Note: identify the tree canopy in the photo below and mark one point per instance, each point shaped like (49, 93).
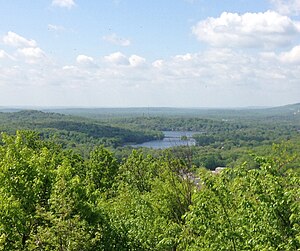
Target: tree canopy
(55, 199)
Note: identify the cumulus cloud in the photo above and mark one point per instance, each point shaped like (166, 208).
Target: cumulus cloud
(63, 3)
(264, 30)
(32, 55)
(292, 56)
(15, 40)
(215, 77)
(115, 39)
(287, 7)
(185, 57)
(158, 63)
(85, 61)
(136, 60)
(218, 69)
(117, 58)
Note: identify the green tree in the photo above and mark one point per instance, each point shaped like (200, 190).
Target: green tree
(247, 209)
(153, 195)
(102, 169)
(26, 176)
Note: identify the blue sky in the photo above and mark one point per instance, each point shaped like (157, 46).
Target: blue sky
(175, 53)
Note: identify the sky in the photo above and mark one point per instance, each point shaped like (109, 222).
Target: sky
(158, 53)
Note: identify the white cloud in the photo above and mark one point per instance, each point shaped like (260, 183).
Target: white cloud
(266, 30)
(287, 7)
(56, 28)
(117, 58)
(5, 55)
(136, 60)
(15, 40)
(185, 57)
(32, 55)
(292, 56)
(114, 39)
(63, 3)
(86, 61)
(218, 75)
(69, 67)
(215, 77)
(158, 63)
(83, 59)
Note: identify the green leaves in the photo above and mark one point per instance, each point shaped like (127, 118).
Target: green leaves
(53, 199)
(102, 169)
(44, 201)
(246, 209)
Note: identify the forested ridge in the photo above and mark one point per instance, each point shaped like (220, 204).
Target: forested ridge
(63, 187)
(72, 130)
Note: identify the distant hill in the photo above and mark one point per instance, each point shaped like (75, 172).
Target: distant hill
(69, 127)
(286, 108)
(105, 114)
(223, 113)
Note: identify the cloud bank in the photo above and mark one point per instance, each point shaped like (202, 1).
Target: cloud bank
(259, 30)
(249, 59)
(287, 7)
(15, 40)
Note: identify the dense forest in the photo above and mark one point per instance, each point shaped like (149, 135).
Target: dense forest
(72, 130)
(73, 183)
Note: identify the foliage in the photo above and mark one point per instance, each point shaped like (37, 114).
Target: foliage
(56, 199)
(74, 132)
(246, 209)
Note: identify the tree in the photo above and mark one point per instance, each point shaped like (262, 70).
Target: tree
(102, 169)
(26, 175)
(246, 209)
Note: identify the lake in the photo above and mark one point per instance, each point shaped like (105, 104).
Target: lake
(171, 139)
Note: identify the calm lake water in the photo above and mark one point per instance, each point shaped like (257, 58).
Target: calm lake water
(171, 139)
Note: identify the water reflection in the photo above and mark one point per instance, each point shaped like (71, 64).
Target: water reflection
(171, 139)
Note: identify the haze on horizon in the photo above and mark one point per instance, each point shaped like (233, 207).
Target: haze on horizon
(132, 53)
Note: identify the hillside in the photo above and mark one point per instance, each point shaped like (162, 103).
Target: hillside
(285, 112)
(72, 128)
